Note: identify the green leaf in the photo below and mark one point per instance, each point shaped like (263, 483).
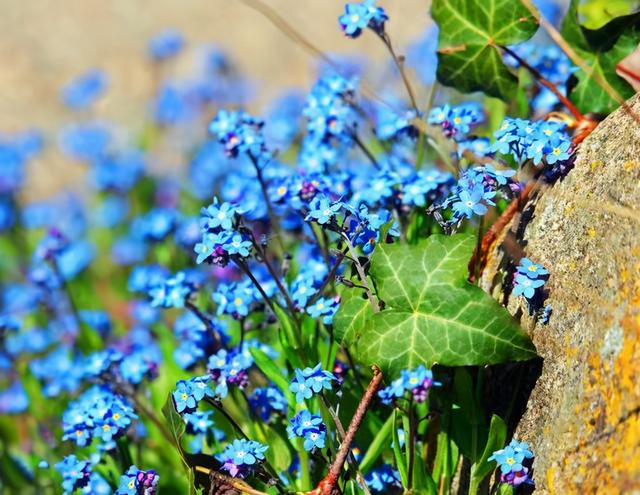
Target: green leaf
(273, 373)
(177, 429)
(401, 464)
(497, 437)
(602, 49)
(379, 444)
(432, 313)
(470, 33)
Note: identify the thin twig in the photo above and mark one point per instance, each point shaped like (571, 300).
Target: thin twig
(328, 484)
(297, 37)
(235, 483)
(363, 276)
(205, 320)
(341, 434)
(578, 60)
(243, 266)
(365, 150)
(546, 83)
(273, 219)
(400, 65)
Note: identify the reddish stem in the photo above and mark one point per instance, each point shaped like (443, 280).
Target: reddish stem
(328, 484)
(547, 84)
(627, 72)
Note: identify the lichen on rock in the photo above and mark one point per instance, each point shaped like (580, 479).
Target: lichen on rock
(583, 416)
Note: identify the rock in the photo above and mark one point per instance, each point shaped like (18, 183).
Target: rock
(583, 416)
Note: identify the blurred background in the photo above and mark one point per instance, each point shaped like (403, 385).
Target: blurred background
(46, 43)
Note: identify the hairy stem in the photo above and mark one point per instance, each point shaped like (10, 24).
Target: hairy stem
(363, 276)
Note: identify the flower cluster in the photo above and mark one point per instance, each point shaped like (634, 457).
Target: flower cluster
(359, 16)
(384, 480)
(239, 458)
(310, 381)
(220, 237)
(552, 63)
(230, 368)
(310, 428)
(528, 279)
(138, 482)
(240, 132)
(188, 393)
(532, 140)
(200, 425)
(171, 292)
(99, 414)
(417, 381)
(268, 402)
(457, 121)
(511, 463)
(476, 191)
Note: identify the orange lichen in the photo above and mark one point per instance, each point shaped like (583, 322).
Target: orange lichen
(606, 457)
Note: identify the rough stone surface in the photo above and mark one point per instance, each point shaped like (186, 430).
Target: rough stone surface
(583, 416)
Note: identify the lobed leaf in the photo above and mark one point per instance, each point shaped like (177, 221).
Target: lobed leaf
(602, 49)
(470, 33)
(432, 313)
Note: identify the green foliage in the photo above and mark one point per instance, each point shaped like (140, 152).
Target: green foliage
(602, 49)
(596, 13)
(482, 468)
(470, 33)
(432, 313)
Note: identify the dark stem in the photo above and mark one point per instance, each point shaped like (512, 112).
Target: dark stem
(205, 320)
(245, 269)
(272, 216)
(400, 65)
(365, 150)
(276, 279)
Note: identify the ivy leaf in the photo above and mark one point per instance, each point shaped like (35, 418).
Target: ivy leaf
(602, 49)
(432, 313)
(470, 33)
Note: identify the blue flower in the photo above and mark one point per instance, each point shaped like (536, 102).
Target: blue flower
(531, 269)
(85, 89)
(525, 286)
(136, 481)
(165, 44)
(470, 202)
(217, 216)
(309, 427)
(172, 292)
(354, 20)
(511, 457)
(322, 210)
(239, 245)
(559, 151)
(325, 307)
(183, 397)
(75, 473)
(384, 480)
(309, 381)
(239, 457)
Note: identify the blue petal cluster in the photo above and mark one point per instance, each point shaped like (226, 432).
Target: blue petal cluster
(310, 428)
(239, 458)
(511, 460)
(417, 381)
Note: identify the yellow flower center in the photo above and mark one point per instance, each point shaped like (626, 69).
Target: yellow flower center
(511, 461)
(237, 301)
(556, 151)
(184, 396)
(116, 416)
